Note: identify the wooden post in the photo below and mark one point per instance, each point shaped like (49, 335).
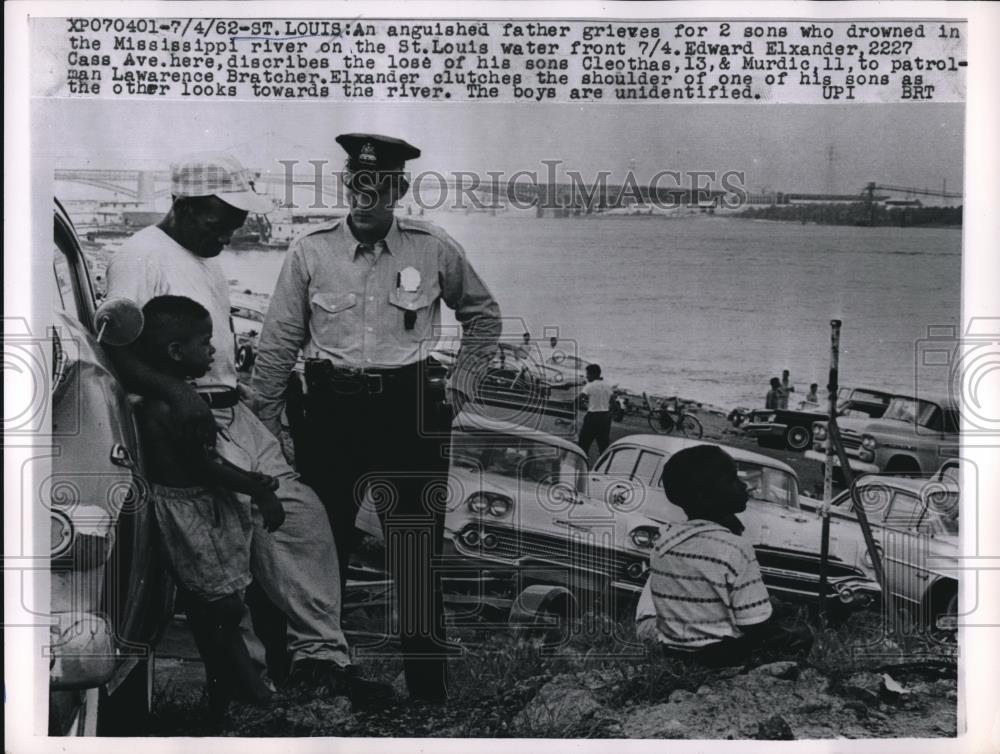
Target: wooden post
(824, 511)
(834, 444)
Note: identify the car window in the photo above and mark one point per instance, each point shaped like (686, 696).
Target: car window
(64, 284)
(950, 421)
(622, 461)
(904, 511)
(769, 485)
(521, 458)
(905, 409)
(940, 515)
(648, 463)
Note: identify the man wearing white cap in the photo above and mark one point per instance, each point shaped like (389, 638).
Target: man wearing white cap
(296, 566)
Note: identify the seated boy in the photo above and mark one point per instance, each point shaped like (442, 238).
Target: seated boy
(704, 597)
(204, 528)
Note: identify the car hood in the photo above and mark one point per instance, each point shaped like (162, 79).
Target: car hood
(542, 508)
(862, 425)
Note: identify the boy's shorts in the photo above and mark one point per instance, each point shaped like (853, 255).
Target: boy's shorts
(206, 533)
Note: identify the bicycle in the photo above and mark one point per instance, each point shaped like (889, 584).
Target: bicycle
(664, 418)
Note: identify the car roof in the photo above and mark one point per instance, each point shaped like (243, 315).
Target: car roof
(915, 486)
(941, 399)
(470, 422)
(671, 445)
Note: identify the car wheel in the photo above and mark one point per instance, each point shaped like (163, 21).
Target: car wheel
(544, 612)
(946, 608)
(798, 437)
(245, 358)
(903, 466)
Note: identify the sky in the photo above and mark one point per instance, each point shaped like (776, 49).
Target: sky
(782, 147)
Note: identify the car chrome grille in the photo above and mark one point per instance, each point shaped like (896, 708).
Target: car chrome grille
(850, 439)
(582, 549)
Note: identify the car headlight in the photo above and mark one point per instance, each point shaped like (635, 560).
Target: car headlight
(479, 503)
(500, 506)
(636, 570)
(485, 502)
(868, 442)
(644, 537)
(819, 432)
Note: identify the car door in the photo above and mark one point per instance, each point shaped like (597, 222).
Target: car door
(906, 547)
(612, 474)
(97, 475)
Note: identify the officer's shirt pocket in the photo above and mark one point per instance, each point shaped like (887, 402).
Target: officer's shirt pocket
(419, 303)
(334, 320)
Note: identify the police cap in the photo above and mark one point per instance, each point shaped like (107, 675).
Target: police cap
(376, 153)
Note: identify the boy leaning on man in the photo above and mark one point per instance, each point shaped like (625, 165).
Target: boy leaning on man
(203, 504)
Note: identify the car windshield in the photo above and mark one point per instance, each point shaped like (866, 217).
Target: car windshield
(910, 410)
(768, 484)
(526, 459)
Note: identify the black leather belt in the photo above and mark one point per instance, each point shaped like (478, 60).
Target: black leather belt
(323, 375)
(221, 398)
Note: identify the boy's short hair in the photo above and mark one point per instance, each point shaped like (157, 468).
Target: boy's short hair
(593, 370)
(686, 473)
(166, 320)
(775, 382)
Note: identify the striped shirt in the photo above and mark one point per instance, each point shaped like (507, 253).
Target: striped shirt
(704, 584)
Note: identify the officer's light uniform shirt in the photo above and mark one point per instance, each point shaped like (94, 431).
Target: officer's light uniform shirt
(368, 308)
(598, 395)
(151, 264)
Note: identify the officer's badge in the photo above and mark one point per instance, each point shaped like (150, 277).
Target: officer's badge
(367, 155)
(409, 279)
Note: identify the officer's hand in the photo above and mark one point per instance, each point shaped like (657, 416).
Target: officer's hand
(271, 509)
(194, 418)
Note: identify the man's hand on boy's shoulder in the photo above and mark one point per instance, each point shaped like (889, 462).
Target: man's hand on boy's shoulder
(190, 414)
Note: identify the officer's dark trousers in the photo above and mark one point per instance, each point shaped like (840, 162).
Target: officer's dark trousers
(387, 437)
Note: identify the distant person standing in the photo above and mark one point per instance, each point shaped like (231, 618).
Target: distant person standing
(773, 398)
(812, 396)
(786, 389)
(597, 420)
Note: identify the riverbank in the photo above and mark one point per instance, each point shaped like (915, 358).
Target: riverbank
(852, 683)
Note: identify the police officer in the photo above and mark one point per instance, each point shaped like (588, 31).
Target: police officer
(361, 298)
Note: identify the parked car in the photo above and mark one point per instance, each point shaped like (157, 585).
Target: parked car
(913, 436)
(111, 596)
(915, 525)
(247, 316)
(519, 524)
(525, 513)
(785, 536)
(792, 428)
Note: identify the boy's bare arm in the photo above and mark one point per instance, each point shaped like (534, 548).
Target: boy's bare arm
(259, 487)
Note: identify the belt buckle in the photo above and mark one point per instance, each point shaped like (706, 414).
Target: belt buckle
(373, 383)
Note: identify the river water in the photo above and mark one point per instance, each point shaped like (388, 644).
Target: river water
(708, 308)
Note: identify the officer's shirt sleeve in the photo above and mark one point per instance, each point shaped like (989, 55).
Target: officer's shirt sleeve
(285, 330)
(475, 308)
